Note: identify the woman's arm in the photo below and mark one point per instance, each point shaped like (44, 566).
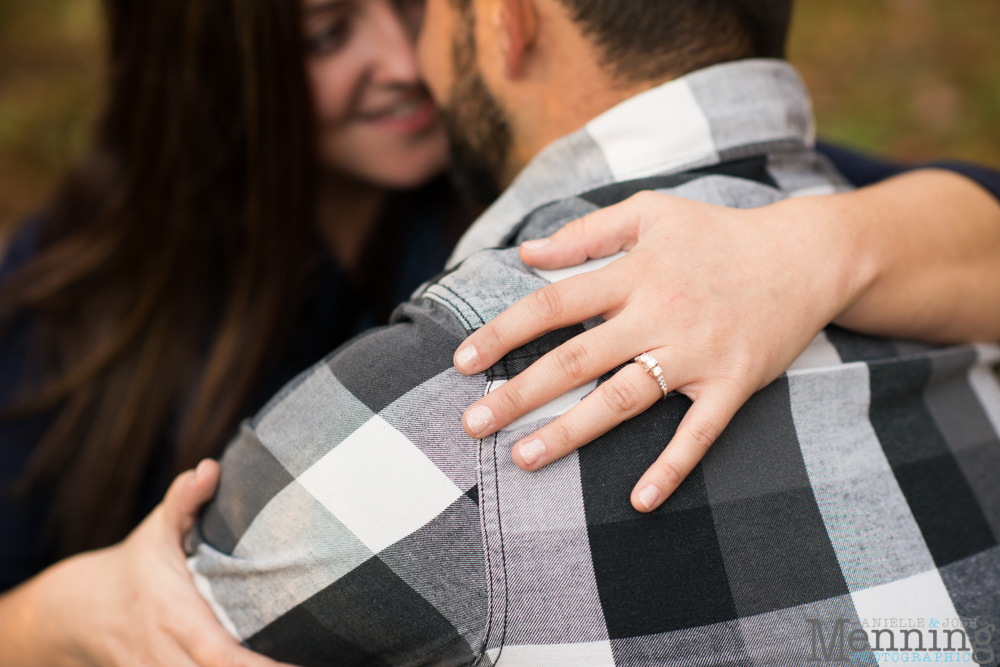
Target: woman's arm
(933, 239)
(727, 299)
(131, 604)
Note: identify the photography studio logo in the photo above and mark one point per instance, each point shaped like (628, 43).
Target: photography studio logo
(880, 641)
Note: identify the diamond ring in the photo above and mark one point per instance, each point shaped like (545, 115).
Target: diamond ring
(653, 368)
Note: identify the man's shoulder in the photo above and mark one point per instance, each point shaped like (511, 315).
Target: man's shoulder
(378, 366)
(388, 380)
(344, 489)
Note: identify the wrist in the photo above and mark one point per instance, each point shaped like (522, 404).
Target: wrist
(844, 255)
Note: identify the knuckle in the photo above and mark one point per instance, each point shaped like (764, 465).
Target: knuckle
(168, 619)
(621, 397)
(511, 399)
(574, 229)
(547, 303)
(573, 360)
(646, 208)
(645, 203)
(672, 473)
(700, 436)
(490, 337)
(563, 433)
(740, 372)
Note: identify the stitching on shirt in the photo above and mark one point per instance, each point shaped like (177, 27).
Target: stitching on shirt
(486, 549)
(482, 321)
(496, 482)
(468, 325)
(503, 551)
(451, 306)
(490, 605)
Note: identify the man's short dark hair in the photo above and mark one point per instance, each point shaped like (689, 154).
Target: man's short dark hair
(644, 40)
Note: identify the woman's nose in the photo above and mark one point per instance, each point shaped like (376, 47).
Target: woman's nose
(394, 56)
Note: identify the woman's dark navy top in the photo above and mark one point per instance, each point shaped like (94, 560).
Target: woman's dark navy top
(423, 247)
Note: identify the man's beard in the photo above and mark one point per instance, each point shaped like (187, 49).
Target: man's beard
(478, 128)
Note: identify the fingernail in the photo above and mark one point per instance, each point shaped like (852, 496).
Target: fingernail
(467, 358)
(197, 472)
(649, 497)
(536, 244)
(479, 419)
(531, 451)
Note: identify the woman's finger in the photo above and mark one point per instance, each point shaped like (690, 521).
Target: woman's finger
(701, 426)
(580, 360)
(598, 234)
(630, 392)
(228, 653)
(187, 494)
(554, 306)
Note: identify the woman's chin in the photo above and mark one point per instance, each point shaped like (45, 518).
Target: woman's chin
(402, 172)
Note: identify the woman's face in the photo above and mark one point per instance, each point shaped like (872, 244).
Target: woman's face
(376, 120)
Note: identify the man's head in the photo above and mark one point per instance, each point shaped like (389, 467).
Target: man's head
(514, 75)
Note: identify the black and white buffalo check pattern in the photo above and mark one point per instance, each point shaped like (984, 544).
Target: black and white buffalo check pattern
(357, 524)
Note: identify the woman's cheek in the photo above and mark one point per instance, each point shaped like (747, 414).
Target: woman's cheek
(331, 99)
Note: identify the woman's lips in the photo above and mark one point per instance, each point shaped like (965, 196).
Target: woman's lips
(410, 117)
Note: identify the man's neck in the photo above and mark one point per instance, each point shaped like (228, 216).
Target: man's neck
(561, 110)
(558, 94)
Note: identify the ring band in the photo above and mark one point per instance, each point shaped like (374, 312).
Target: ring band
(652, 367)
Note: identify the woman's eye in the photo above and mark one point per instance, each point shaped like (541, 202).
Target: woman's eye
(328, 40)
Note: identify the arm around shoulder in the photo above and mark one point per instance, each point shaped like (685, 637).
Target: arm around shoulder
(923, 250)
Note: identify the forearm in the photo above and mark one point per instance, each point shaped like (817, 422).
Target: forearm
(924, 249)
(130, 604)
(28, 627)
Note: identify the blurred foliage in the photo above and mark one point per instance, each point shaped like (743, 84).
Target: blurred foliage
(50, 81)
(910, 79)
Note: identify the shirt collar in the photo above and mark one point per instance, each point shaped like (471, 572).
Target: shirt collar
(724, 112)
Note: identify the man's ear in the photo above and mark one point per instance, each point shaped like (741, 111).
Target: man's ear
(516, 24)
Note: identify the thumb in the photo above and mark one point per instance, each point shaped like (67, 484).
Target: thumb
(188, 493)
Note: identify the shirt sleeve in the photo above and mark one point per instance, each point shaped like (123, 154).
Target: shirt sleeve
(862, 170)
(346, 528)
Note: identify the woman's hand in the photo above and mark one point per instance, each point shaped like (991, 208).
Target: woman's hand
(131, 604)
(724, 299)
(727, 299)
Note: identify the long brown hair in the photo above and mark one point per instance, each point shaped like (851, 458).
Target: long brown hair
(169, 262)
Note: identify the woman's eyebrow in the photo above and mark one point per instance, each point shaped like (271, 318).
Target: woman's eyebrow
(324, 6)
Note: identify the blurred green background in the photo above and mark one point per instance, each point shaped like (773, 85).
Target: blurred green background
(51, 58)
(908, 79)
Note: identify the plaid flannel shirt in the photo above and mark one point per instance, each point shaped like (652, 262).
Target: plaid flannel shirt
(357, 524)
